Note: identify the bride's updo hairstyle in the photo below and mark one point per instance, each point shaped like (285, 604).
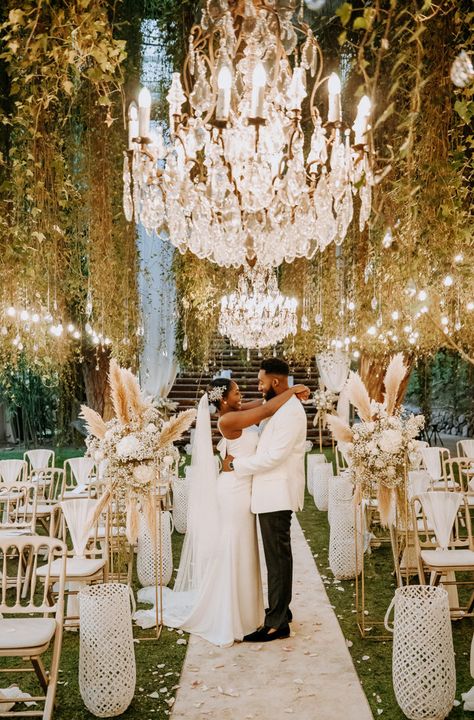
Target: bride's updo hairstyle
(217, 390)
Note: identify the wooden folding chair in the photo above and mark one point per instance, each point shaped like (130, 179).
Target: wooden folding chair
(444, 544)
(28, 626)
(18, 502)
(87, 561)
(50, 484)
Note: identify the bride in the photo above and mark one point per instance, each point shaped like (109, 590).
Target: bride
(218, 591)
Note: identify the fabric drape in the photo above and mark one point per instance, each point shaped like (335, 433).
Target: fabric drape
(157, 291)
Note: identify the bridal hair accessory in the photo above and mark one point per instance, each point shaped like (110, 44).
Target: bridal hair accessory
(216, 393)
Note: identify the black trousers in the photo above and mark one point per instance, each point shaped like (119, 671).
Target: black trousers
(275, 528)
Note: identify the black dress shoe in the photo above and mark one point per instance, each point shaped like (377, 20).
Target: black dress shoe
(264, 635)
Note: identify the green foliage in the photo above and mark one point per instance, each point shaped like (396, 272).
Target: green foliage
(31, 400)
(63, 238)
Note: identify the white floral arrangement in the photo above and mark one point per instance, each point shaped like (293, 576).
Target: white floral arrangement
(136, 446)
(381, 446)
(324, 400)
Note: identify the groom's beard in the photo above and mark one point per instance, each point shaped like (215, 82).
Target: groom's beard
(270, 394)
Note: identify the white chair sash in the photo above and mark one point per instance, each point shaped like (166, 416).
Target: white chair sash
(441, 509)
(432, 459)
(468, 447)
(418, 482)
(81, 515)
(81, 469)
(39, 458)
(10, 470)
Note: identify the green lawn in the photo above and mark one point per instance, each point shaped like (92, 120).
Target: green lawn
(159, 663)
(375, 671)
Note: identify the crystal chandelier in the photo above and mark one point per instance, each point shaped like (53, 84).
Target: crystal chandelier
(257, 315)
(235, 182)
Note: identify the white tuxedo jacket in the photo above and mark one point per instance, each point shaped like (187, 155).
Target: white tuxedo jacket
(278, 464)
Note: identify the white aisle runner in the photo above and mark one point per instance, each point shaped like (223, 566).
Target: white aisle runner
(309, 676)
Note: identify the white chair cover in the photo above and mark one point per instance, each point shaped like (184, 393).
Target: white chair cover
(441, 509)
(333, 368)
(81, 469)
(10, 470)
(418, 482)
(81, 515)
(468, 447)
(432, 459)
(39, 459)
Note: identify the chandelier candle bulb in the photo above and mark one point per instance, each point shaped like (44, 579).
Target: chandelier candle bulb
(224, 84)
(259, 79)
(132, 125)
(334, 89)
(144, 108)
(361, 122)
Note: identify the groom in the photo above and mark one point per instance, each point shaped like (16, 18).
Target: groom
(277, 490)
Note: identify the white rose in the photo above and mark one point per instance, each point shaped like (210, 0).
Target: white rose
(128, 446)
(144, 474)
(151, 428)
(390, 441)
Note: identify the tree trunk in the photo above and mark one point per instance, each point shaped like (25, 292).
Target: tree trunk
(372, 372)
(95, 368)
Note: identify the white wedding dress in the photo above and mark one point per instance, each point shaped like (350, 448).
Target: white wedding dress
(229, 601)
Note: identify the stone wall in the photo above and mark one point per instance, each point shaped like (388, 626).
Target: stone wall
(450, 423)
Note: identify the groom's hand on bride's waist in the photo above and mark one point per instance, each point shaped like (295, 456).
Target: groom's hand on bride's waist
(226, 463)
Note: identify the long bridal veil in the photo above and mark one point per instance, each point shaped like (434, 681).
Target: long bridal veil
(203, 518)
(201, 534)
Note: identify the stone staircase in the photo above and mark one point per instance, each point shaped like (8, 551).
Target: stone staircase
(189, 386)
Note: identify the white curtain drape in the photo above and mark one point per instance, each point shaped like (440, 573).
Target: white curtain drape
(157, 290)
(333, 368)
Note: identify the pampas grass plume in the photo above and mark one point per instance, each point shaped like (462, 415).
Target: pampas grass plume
(118, 393)
(95, 424)
(176, 427)
(396, 371)
(359, 396)
(340, 429)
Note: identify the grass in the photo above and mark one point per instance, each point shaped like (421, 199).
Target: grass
(375, 673)
(159, 663)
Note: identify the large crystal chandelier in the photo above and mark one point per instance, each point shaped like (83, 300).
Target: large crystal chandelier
(235, 182)
(257, 315)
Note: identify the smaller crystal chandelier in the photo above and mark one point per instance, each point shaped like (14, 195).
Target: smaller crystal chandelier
(257, 315)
